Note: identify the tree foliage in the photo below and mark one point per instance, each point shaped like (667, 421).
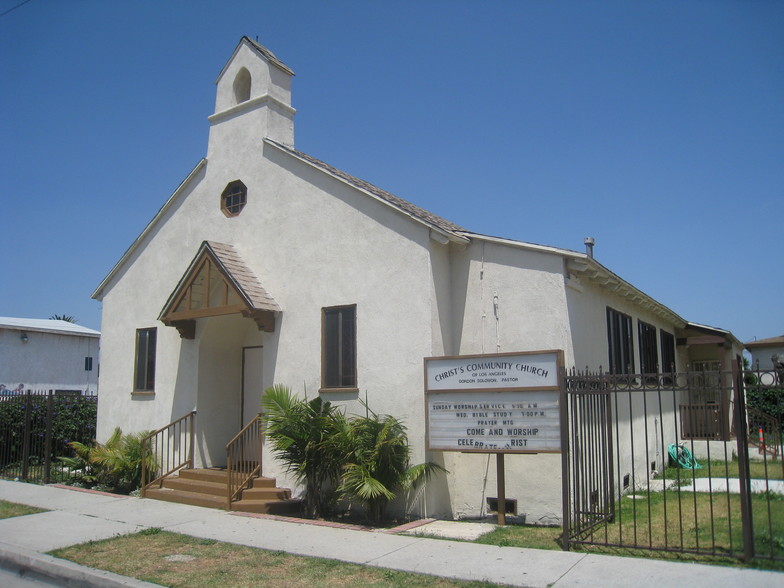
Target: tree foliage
(116, 464)
(766, 399)
(365, 458)
(378, 464)
(73, 418)
(69, 318)
(306, 437)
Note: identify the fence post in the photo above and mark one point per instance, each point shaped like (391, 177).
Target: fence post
(743, 462)
(26, 437)
(566, 498)
(48, 438)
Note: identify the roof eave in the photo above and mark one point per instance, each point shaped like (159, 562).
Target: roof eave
(523, 245)
(453, 237)
(586, 266)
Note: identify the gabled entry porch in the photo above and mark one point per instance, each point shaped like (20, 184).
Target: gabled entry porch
(225, 318)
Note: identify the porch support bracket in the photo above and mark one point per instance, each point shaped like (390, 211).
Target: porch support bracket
(186, 328)
(265, 319)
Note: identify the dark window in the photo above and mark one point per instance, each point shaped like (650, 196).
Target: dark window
(649, 354)
(234, 198)
(667, 351)
(88, 364)
(339, 348)
(144, 373)
(620, 342)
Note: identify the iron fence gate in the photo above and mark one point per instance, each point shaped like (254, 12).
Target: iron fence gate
(673, 462)
(35, 429)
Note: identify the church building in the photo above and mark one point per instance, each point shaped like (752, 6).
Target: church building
(269, 266)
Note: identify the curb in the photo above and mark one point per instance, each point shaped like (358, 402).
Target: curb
(39, 566)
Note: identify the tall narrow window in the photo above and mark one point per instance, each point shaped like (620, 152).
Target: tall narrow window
(620, 342)
(649, 354)
(144, 372)
(667, 351)
(88, 364)
(339, 347)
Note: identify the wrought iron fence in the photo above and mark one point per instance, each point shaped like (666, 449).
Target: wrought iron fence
(661, 462)
(36, 428)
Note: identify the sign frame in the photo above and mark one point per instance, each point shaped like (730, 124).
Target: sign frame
(507, 390)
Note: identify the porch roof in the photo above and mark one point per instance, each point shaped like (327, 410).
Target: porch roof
(246, 281)
(251, 298)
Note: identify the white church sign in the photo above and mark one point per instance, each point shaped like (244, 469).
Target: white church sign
(494, 403)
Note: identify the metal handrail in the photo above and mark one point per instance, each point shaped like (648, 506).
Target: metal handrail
(243, 459)
(171, 448)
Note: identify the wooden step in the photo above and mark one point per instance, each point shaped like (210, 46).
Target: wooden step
(205, 474)
(185, 497)
(290, 506)
(261, 482)
(266, 493)
(196, 485)
(207, 487)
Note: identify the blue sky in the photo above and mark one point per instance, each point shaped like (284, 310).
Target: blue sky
(655, 127)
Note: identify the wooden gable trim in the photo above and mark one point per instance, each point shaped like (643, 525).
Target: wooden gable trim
(192, 300)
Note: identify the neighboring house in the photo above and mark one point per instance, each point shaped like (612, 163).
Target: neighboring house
(42, 354)
(767, 354)
(267, 266)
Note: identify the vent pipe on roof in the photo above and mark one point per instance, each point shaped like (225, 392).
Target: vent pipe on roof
(589, 243)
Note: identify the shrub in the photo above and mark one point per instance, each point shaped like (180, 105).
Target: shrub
(116, 464)
(73, 419)
(306, 437)
(367, 458)
(377, 466)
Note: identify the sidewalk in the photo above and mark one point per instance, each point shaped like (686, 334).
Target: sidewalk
(77, 516)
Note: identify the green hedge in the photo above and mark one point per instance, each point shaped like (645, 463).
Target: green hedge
(73, 418)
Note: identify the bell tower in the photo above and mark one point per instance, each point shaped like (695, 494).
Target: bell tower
(253, 101)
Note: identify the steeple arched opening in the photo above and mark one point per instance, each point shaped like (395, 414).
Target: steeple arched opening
(242, 85)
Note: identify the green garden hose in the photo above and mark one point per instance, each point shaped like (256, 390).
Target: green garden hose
(681, 455)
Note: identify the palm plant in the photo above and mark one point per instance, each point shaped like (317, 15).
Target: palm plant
(307, 437)
(378, 467)
(121, 457)
(116, 463)
(80, 466)
(69, 318)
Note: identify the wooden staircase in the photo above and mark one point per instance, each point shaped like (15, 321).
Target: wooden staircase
(207, 487)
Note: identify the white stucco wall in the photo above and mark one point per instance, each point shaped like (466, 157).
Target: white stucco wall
(763, 356)
(48, 361)
(504, 299)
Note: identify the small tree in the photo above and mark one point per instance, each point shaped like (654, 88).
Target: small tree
(69, 318)
(768, 400)
(306, 436)
(377, 467)
(116, 463)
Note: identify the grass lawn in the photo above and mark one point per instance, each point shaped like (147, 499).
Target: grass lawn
(172, 559)
(685, 522)
(11, 509)
(772, 470)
